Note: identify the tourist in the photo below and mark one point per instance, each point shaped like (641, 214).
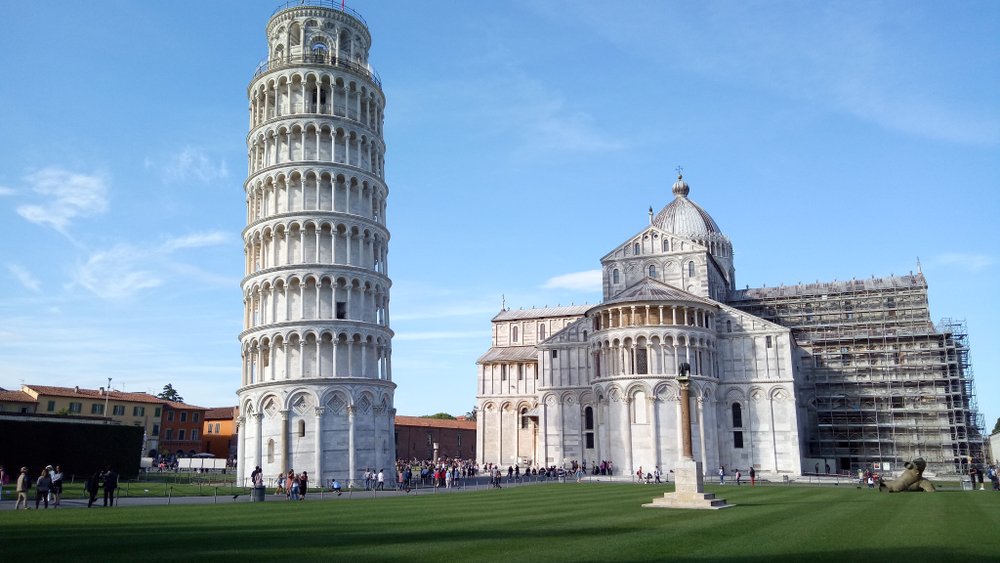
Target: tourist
(994, 477)
(57, 486)
(738, 477)
(42, 487)
(91, 486)
(289, 479)
(722, 475)
(336, 487)
(23, 485)
(638, 474)
(303, 484)
(657, 473)
(753, 477)
(399, 479)
(279, 484)
(3, 480)
(296, 486)
(110, 484)
(381, 480)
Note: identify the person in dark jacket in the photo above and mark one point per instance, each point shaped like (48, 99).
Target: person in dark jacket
(91, 486)
(110, 484)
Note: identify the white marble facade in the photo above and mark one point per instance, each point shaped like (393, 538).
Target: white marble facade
(316, 393)
(593, 383)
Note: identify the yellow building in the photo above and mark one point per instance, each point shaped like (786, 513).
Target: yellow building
(135, 409)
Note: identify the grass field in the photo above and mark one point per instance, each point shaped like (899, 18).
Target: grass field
(550, 522)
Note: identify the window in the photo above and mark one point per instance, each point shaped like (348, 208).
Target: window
(738, 439)
(588, 418)
(118, 410)
(614, 276)
(194, 416)
(302, 428)
(194, 434)
(555, 354)
(138, 411)
(458, 436)
(767, 341)
(180, 434)
(513, 334)
(652, 271)
(51, 406)
(641, 361)
(75, 407)
(666, 245)
(690, 269)
(541, 332)
(590, 440)
(341, 309)
(184, 417)
(208, 429)
(524, 418)
(520, 372)
(170, 415)
(729, 326)
(503, 372)
(170, 434)
(430, 440)
(156, 413)
(156, 430)
(635, 249)
(97, 408)
(737, 416)
(218, 425)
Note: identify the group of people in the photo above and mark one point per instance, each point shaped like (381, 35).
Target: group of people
(738, 475)
(48, 487)
(976, 474)
(291, 484)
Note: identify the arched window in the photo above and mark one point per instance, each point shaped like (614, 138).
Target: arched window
(588, 418)
(635, 249)
(690, 269)
(652, 271)
(302, 428)
(737, 416)
(666, 244)
(729, 326)
(513, 334)
(319, 53)
(541, 332)
(614, 276)
(524, 418)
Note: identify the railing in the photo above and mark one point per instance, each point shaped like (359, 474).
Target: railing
(331, 4)
(317, 59)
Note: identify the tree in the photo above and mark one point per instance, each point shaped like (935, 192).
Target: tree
(170, 394)
(471, 415)
(440, 416)
(996, 427)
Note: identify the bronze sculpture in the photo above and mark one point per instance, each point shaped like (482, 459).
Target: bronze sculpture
(912, 479)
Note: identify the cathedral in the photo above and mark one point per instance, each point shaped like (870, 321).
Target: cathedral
(817, 378)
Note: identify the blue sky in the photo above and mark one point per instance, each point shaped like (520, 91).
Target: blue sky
(829, 140)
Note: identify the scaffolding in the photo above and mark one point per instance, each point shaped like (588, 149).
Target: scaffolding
(881, 384)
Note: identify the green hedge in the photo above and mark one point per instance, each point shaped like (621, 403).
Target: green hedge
(80, 449)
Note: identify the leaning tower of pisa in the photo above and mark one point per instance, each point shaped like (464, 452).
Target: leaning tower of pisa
(316, 393)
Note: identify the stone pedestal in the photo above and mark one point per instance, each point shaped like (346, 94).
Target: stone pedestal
(689, 490)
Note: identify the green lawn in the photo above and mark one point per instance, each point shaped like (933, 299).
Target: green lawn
(551, 522)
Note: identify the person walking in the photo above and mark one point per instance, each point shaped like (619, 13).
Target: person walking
(753, 477)
(303, 484)
(110, 484)
(3, 480)
(91, 486)
(23, 485)
(42, 487)
(738, 477)
(722, 475)
(381, 480)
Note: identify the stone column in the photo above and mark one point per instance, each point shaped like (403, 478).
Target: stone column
(701, 430)
(318, 451)
(685, 399)
(284, 458)
(350, 443)
(627, 433)
(241, 436)
(259, 453)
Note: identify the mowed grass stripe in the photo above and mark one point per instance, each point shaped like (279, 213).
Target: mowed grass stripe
(553, 522)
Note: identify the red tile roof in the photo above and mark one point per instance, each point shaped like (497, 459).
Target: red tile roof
(220, 413)
(15, 397)
(93, 394)
(435, 422)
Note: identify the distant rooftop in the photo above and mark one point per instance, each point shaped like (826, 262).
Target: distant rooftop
(914, 281)
(542, 312)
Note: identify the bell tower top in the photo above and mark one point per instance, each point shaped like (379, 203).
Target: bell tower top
(323, 30)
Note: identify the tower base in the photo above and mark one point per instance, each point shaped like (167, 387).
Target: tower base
(689, 490)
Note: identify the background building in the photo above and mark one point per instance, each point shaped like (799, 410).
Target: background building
(417, 435)
(822, 377)
(219, 432)
(180, 434)
(316, 392)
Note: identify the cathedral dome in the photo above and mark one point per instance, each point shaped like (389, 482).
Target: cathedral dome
(684, 217)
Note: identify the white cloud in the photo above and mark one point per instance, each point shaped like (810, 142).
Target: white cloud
(4, 190)
(196, 240)
(589, 280)
(969, 262)
(24, 277)
(67, 195)
(190, 163)
(124, 270)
